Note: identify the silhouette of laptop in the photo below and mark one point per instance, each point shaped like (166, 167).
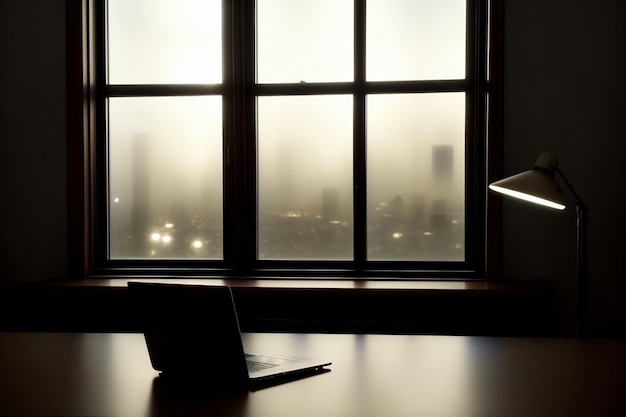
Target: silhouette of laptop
(192, 334)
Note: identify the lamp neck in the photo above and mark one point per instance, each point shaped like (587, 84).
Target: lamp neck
(543, 170)
(582, 206)
(547, 163)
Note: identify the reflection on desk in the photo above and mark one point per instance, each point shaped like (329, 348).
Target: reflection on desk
(75, 374)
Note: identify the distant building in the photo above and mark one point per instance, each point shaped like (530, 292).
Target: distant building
(442, 163)
(330, 204)
(140, 211)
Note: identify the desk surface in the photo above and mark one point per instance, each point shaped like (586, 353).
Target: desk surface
(372, 375)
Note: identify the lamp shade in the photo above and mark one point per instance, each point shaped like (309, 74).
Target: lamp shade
(536, 185)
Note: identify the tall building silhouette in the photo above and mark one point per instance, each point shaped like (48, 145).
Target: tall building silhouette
(439, 217)
(140, 210)
(442, 163)
(442, 199)
(417, 210)
(330, 204)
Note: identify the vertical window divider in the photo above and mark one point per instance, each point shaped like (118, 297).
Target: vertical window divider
(230, 116)
(239, 135)
(475, 146)
(248, 138)
(100, 137)
(359, 134)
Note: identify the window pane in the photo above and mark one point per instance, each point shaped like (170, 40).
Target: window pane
(415, 39)
(165, 177)
(305, 177)
(164, 41)
(304, 41)
(415, 173)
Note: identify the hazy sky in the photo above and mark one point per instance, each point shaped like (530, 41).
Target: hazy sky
(179, 41)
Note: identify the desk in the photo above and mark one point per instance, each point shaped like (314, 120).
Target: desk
(79, 374)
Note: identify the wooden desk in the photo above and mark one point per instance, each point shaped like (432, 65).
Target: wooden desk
(76, 374)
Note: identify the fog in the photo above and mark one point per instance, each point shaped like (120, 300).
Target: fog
(165, 153)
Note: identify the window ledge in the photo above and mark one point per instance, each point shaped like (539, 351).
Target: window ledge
(482, 307)
(379, 284)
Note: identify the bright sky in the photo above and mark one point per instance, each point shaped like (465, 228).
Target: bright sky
(179, 41)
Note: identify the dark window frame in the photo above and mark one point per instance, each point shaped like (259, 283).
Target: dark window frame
(87, 222)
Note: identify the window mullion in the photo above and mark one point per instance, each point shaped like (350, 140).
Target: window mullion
(359, 164)
(229, 22)
(246, 138)
(239, 157)
(241, 196)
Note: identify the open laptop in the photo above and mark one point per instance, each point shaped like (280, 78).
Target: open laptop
(192, 333)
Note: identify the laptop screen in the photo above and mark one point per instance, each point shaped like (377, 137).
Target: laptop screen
(191, 330)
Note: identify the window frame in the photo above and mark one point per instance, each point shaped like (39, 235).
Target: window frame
(87, 195)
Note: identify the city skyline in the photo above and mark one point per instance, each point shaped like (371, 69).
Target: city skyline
(407, 226)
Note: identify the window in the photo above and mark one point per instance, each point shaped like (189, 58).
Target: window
(269, 136)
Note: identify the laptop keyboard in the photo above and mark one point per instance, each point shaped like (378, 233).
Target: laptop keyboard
(254, 366)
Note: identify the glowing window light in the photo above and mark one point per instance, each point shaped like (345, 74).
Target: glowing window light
(166, 239)
(196, 244)
(156, 236)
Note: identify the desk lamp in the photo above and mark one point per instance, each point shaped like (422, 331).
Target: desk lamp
(538, 186)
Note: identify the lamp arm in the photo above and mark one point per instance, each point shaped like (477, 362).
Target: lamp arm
(579, 200)
(581, 260)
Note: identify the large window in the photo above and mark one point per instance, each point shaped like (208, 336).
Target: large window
(302, 136)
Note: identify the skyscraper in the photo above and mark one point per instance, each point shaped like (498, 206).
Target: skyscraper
(442, 163)
(140, 211)
(330, 204)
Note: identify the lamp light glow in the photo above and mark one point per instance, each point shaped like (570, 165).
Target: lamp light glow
(527, 197)
(536, 185)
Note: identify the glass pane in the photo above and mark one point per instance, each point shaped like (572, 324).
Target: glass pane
(305, 41)
(415, 173)
(415, 39)
(165, 177)
(164, 41)
(305, 177)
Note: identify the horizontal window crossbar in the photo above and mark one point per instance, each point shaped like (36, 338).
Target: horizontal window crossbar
(303, 88)
(147, 90)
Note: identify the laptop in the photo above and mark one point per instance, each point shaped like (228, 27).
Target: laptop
(192, 334)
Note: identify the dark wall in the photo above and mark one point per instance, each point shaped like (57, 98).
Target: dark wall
(33, 144)
(564, 92)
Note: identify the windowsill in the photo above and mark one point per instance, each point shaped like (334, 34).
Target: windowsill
(304, 305)
(239, 284)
